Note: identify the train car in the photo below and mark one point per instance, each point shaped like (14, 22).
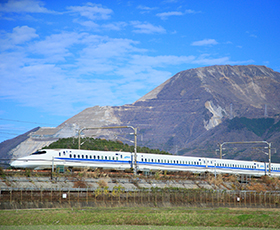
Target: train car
(48, 158)
(200, 164)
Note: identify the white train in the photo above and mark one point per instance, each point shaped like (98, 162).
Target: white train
(48, 158)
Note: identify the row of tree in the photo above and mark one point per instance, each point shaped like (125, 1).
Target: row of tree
(88, 143)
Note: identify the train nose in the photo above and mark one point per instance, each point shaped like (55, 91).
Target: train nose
(16, 164)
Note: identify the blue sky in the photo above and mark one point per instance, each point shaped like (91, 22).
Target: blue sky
(60, 57)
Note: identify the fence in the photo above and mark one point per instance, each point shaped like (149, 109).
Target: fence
(55, 198)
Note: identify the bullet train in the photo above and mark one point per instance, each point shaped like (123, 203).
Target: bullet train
(75, 158)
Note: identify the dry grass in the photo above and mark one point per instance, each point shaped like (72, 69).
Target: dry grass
(102, 184)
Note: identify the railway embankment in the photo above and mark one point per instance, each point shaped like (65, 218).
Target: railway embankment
(26, 189)
(27, 179)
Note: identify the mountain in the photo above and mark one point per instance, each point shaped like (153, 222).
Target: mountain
(189, 114)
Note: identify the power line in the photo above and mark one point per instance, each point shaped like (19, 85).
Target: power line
(10, 133)
(30, 122)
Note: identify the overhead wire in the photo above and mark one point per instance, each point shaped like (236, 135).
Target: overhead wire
(30, 122)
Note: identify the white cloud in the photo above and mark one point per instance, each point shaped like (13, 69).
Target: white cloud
(116, 26)
(88, 24)
(23, 34)
(56, 47)
(146, 9)
(165, 15)
(29, 6)
(65, 72)
(160, 61)
(203, 60)
(141, 7)
(146, 28)
(205, 42)
(92, 11)
(20, 35)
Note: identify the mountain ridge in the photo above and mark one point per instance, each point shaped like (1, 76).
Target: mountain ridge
(190, 111)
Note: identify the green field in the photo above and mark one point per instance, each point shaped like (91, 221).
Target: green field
(140, 218)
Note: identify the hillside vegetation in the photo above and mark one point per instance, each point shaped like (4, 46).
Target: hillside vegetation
(259, 126)
(99, 144)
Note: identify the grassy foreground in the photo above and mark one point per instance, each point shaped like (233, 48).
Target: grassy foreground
(170, 218)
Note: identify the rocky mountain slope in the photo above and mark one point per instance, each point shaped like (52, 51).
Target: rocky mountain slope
(189, 114)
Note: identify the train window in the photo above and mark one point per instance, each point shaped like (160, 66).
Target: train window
(177, 162)
(59, 154)
(86, 156)
(90, 157)
(105, 157)
(102, 157)
(74, 155)
(158, 160)
(145, 159)
(78, 156)
(113, 158)
(142, 159)
(152, 160)
(70, 155)
(83, 156)
(98, 157)
(94, 157)
(121, 156)
(109, 158)
(116, 158)
(39, 152)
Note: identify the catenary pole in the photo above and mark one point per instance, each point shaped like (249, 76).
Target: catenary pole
(116, 127)
(250, 142)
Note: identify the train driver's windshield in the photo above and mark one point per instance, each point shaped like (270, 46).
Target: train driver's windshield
(39, 152)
